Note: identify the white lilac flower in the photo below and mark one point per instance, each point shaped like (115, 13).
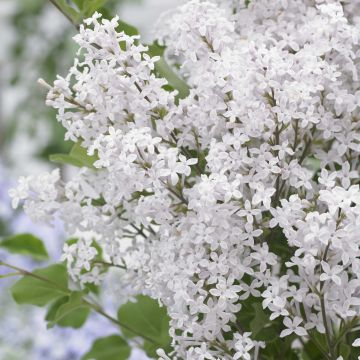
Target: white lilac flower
(243, 345)
(331, 273)
(293, 326)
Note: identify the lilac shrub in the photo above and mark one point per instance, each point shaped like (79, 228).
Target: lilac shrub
(236, 205)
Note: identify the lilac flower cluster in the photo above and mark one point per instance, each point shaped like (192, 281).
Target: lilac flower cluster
(200, 189)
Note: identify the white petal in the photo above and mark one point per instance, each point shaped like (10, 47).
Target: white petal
(300, 331)
(285, 332)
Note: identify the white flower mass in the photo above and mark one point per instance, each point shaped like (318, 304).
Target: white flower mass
(265, 147)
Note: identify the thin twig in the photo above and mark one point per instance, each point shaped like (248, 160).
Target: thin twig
(64, 13)
(95, 307)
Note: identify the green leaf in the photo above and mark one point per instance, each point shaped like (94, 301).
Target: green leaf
(280, 349)
(51, 313)
(261, 327)
(52, 283)
(92, 288)
(278, 244)
(68, 311)
(267, 334)
(127, 28)
(260, 319)
(77, 157)
(65, 159)
(112, 347)
(79, 4)
(252, 317)
(88, 7)
(25, 244)
(162, 69)
(257, 320)
(80, 153)
(148, 318)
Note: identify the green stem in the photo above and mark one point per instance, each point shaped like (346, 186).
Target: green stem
(222, 347)
(139, 231)
(320, 294)
(95, 307)
(327, 329)
(10, 275)
(35, 276)
(64, 13)
(109, 264)
(307, 147)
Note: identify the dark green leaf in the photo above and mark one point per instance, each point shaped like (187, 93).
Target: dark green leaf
(280, 349)
(51, 284)
(148, 318)
(112, 347)
(267, 334)
(255, 319)
(260, 319)
(278, 245)
(69, 311)
(261, 327)
(25, 244)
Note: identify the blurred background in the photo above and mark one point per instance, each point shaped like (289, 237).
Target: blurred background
(37, 42)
